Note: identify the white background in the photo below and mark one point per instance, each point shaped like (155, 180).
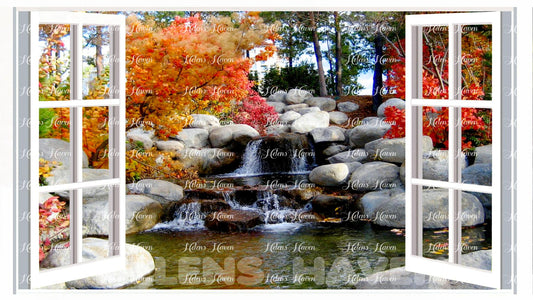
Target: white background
(524, 154)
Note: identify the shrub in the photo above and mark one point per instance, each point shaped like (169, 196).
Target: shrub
(254, 111)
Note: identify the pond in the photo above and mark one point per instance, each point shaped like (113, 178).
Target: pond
(286, 255)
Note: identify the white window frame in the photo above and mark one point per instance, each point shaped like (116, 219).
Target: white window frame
(116, 105)
(499, 276)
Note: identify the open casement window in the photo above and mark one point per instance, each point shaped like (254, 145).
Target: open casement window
(457, 78)
(80, 135)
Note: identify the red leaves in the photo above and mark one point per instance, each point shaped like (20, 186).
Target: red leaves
(51, 224)
(476, 83)
(435, 125)
(395, 117)
(255, 112)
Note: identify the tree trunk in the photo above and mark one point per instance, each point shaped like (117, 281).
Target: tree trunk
(289, 71)
(318, 55)
(331, 74)
(99, 62)
(378, 74)
(338, 55)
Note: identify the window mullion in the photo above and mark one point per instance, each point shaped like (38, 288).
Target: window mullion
(76, 144)
(413, 147)
(114, 168)
(454, 143)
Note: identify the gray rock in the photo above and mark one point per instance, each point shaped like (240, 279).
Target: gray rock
(480, 174)
(139, 263)
(233, 220)
(207, 161)
(162, 191)
(204, 121)
(325, 104)
(435, 210)
(278, 106)
(295, 96)
(62, 175)
(194, 137)
(375, 176)
(306, 110)
(289, 117)
(169, 145)
(310, 121)
(277, 129)
(435, 165)
(139, 136)
(347, 106)
(400, 279)
(239, 133)
(334, 149)
(393, 150)
(277, 97)
(372, 200)
(142, 213)
(59, 151)
(481, 259)
(328, 134)
(402, 173)
(483, 155)
(396, 102)
(329, 175)
(374, 121)
(365, 133)
(337, 117)
(293, 107)
(352, 166)
(328, 206)
(355, 155)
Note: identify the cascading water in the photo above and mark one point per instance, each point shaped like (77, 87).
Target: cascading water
(251, 159)
(268, 205)
(285, 154)
(187, 217)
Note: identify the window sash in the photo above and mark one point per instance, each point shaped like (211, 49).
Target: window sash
(116, 238)
(414, 102)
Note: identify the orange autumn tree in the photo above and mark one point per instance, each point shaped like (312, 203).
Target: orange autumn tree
(54, 85)
(193, 65)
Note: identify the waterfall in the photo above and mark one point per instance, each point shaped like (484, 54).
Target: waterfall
(285, 154)
(268, 204)
(229, 197)
(187, 217)
(298, 163)
(251, 160)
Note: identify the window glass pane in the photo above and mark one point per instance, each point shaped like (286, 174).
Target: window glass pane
(476, 221)
(476, 62)
(54, 63)
(435, 159)
(96, 62)
(477, 145)
(435, 222)
(55, 157)
(98, 217)
(54, 229)
(435, 62)
(96, 143)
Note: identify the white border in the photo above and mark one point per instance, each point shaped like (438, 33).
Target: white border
(523, 122)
